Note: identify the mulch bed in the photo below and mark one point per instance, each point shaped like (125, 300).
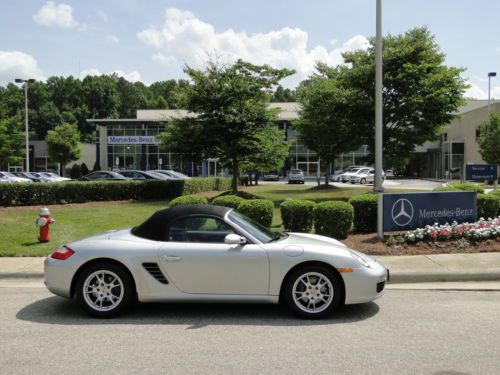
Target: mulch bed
(370, 244)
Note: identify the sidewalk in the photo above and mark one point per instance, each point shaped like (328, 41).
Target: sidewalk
(403, 269)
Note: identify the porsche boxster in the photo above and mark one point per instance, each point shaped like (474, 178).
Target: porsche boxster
(212, 254)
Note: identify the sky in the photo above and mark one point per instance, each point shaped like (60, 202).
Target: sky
(152, 40)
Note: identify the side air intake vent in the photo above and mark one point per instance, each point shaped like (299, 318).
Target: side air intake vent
(155, 271)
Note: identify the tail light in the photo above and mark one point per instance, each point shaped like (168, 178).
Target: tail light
(62, 253)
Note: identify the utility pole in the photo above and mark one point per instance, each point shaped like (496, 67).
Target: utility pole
(378, 121)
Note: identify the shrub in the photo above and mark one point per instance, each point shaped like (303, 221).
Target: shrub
(259, 210)
(365, 212)
(79, 191)
(333, 218)
(496, 193)
(488, 206)
(232, 201)
(297, 215)
(75, 172)
(467, 186)
(84, 169)
(445, 188)
(188, 199)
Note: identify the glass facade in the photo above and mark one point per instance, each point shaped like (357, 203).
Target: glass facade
(142, 156)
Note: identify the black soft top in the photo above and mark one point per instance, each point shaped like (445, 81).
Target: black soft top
(154, 228)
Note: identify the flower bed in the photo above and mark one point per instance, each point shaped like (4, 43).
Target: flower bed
(472, 232)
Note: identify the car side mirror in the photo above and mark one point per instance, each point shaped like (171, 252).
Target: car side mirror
(234, 239)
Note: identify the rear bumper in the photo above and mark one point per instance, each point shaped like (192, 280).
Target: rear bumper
(365, 284)
(59, 274)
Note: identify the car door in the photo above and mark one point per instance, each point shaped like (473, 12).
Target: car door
(196, 259)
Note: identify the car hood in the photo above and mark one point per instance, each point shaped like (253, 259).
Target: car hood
(310, 239)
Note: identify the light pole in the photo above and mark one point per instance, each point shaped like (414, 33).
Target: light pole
(26, 81)
(377, 186)
(490, 74)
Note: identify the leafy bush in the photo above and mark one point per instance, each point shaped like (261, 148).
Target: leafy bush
(365, 212)
(488, 206)
(333, 218)
(75, 171)
(445, 188)
(231, 201)
(84, 169)
(467, 186)
(188, 199)
(496, 193)
(259, 210)
(79, 191)
(298, 215)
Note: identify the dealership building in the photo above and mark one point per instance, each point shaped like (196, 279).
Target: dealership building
(133, 144)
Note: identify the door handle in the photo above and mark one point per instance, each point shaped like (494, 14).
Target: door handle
(171, 258)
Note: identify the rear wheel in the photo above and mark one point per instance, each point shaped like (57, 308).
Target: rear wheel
(312, 292)
(104, 289)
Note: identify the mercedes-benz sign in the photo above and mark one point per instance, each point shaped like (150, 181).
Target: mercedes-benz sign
(416, 210)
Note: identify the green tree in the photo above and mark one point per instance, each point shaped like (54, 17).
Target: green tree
(100, 96)
(63, 144)
(489, 139)
(231, 103)
(44, 119)
(420, 94)
(326, 119)
(11, 141)
(283, 95)
(269, 153)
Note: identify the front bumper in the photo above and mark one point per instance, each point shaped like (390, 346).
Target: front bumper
(59, 274)
(365, 284)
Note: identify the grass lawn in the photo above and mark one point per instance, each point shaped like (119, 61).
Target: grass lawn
(74, 221)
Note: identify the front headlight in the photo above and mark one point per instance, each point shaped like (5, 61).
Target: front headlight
(360, 259)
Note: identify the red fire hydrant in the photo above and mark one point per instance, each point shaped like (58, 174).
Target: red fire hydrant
(43, 221)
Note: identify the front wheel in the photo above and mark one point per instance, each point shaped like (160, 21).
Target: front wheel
(104, 289)
(312, 292)
(363, 181)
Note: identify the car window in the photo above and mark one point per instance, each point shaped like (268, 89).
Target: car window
(198, 229)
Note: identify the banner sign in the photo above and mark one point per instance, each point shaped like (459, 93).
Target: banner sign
(407, 211)
(132, 140)
(480, 172)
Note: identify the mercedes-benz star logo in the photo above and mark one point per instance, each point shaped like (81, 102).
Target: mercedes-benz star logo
(402, 212)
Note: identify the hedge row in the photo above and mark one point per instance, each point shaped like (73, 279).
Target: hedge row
(79, 191)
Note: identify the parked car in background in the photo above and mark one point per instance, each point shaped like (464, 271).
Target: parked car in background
(33, 176)
(10, 178)
(335, 177)
(271, 176)
(363, 176)
(142, 175)
(174, 175)
(54, 176)
(296, 176)
(346, 176)
(104, 176)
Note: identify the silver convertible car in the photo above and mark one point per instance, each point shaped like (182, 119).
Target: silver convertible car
(212, 254)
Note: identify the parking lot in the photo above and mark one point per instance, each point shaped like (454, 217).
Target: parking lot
(410, 184)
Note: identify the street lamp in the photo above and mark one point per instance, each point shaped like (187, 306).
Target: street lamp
(26, 81)
(490, 74)
(377, 186)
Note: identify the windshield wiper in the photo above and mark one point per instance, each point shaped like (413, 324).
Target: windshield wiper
(278, 236)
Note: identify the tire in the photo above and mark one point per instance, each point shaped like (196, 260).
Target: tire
(363, 181)
(294, 285)
(113, 299)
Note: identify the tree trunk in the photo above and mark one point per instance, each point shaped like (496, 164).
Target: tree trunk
(256, 179)
(327, 171)
(236, 172)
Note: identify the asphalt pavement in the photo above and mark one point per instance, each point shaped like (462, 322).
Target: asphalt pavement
(404, 332)
(405, 184)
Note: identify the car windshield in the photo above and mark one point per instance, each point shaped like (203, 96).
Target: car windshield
(361, 171)
(55, 175)
(8, 174)
(179, 174)
(263, 234)
(296, 171)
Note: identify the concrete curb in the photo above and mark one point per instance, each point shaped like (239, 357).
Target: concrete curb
(436, 276)
(21, 275)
